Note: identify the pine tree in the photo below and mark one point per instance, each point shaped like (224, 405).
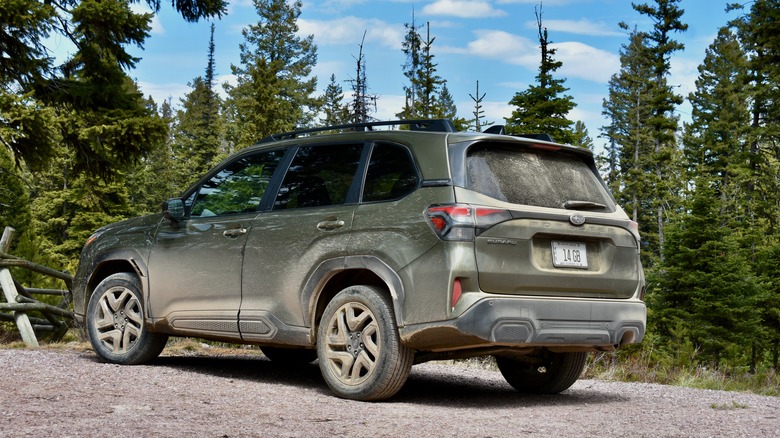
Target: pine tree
(643, 125)
(716, 142)
(333, 108)
(411, 47)
(707, 285)
(430, 84)
(543, 108)
(86, 103)
(14, 195)
(160, 175)
(759, 33)
(274, 91)
(360, 108)
(662, 121)
(581, 136)
(198, 133)
(627, 108)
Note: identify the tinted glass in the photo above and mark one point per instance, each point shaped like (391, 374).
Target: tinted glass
(391, 174)
(544, 179)
(319, 176)
(238, 188)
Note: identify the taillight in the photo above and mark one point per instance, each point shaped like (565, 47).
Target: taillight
(461, 222)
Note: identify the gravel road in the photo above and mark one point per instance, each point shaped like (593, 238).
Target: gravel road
(70, 393)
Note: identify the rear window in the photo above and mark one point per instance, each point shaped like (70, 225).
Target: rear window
(531, 177)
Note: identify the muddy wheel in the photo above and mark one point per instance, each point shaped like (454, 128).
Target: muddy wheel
(555, 372)
(115, 322)
(361, 356)
(289, 356)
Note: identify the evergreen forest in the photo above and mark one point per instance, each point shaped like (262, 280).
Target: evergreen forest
(81, 147)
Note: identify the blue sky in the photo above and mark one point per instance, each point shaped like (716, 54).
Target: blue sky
(490, 41)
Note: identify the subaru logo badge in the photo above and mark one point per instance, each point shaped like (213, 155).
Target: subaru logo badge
(577, 219)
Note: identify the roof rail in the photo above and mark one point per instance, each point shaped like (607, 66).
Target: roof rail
(430, 125)
(499, 129)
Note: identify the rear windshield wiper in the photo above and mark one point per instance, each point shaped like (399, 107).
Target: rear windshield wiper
(582, 205)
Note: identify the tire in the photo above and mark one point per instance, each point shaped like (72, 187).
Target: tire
(289, 356)
(556, 373)
(115, 322)
(360, 354)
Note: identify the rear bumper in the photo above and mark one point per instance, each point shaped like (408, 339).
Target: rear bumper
(534, 322)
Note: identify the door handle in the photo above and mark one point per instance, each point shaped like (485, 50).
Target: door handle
(330, 225)
(234, 232)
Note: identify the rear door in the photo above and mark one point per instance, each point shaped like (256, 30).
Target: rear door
(566, 236)
(309, 222)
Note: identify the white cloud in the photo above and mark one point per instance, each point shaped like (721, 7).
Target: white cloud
(463, 9)
(221, 80)
(349, 30)
(387, 106)
(504, 46)
(586, 62)
(580, 27)
(161, 92)
(684, 72)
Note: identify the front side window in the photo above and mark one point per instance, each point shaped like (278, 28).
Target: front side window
(391, 174)
(237, 188)
(529, 177)
(319, 176)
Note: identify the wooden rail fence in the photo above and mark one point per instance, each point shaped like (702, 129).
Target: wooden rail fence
(30, 314)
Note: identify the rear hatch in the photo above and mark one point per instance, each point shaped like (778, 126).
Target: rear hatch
(558, 231)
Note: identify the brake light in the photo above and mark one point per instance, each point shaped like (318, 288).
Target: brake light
(461, 222)
(457, 290)
(545, 147)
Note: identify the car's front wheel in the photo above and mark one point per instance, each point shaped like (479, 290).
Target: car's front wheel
(360, 354)
(549, 373)
(115, 322)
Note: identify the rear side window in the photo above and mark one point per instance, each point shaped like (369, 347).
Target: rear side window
(319, 176)
(530, 177)
(391, 174)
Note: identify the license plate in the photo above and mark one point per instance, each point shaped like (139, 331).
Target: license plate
(569, 255)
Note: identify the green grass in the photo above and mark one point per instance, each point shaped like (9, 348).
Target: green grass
(636, 368)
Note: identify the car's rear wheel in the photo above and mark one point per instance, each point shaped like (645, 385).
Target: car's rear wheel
(550, 373)
(289, 356)
(115, 322)
(360, 354)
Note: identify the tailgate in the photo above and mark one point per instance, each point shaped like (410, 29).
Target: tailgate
(555, 258)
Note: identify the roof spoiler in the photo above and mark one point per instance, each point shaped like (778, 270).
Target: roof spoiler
(499, 129)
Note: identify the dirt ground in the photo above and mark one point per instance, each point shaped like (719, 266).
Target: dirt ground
(70, 393)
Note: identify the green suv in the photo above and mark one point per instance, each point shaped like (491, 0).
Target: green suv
(375, 249)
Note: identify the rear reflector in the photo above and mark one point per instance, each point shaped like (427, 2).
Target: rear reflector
(457, 291)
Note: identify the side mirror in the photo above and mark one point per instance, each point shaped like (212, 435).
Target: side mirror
(173, 210)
